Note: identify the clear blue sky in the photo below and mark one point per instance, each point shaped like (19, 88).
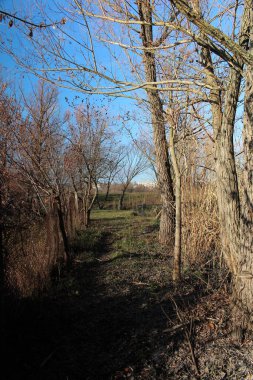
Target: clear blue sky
(21, 42)
(19, 77)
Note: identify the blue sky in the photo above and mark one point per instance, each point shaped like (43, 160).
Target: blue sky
(20, 40)
(17, 38)
(18, 77)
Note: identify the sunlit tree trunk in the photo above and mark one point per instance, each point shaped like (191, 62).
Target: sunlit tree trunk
(243, 281)
(167, 221)
(236, 217)
(176, 275)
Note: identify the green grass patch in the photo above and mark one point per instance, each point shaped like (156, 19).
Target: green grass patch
(117, 234)
(110, 214)
(88, 240)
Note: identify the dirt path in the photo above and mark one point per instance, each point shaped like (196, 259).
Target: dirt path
(98, 320)
(120, 295)
(106, 319)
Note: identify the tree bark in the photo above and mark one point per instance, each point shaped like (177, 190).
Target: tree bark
(176, 274)
(167, 221)
(87, 218)
(121, 199)
(63, 230)
(207, 29)
(236, 219)
(107, 190)
(227, 183)
(243, 279)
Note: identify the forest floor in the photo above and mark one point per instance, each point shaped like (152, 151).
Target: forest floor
(116, 315)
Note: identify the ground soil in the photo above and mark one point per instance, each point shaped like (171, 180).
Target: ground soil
(117, 315)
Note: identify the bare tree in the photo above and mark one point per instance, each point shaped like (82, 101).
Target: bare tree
(173, 121)
(90, 139)
(235, 211)
(113, 164)
(142, 15)
(218, 59)
(133, 164)
(10, 117)
(39, 153)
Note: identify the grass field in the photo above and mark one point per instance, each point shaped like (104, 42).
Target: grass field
(132, 200)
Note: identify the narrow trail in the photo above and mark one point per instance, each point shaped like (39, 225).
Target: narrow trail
(122, 312)
(98, 320)
(107, 318)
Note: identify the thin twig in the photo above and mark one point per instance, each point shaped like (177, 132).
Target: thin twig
(188, 337)
(47, 358)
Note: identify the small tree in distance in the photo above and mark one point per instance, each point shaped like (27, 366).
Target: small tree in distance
(133, 164)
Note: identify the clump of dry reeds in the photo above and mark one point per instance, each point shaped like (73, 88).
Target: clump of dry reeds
(34, 244)
(200, 232)
(32, 253)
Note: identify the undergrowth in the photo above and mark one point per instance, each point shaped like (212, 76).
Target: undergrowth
(88, 240)
(115, 308)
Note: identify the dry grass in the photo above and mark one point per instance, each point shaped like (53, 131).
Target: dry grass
(132, 200)
(201, 241)
(31, 256)
(121, 294)
(34, 246)
(34, 251)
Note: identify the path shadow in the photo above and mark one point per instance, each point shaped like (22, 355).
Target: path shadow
(79, 330)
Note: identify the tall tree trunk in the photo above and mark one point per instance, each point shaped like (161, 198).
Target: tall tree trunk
(63, 230)
(167, 221)
(227, 183)
(87, 218)
(86, 202)
(76, 211)
(108, 185)
(235, 221)
(121, 199)
(176, 275)
(236, 218)
(92, 204)
(243, 280)
(89, 202)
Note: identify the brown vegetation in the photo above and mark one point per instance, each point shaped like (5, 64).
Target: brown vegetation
(115, 313)
(68, 204)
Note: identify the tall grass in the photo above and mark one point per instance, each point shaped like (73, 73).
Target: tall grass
(201, 240)
(32, 254)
